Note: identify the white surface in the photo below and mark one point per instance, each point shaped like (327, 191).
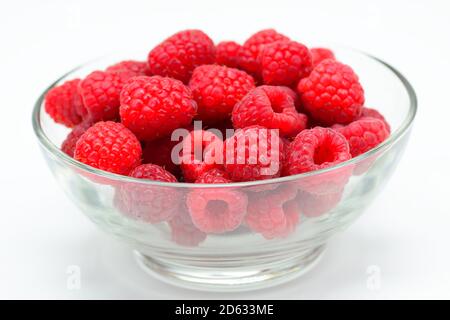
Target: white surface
(405, 234)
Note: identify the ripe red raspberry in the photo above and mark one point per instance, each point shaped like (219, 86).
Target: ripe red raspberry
(271, 107)
(148, 203)
(227, 54)
(332, 93)
(64, 104)
(180, 54)
(217, 89)
(152, 107)
(217, 210)
(109, 146)
(248, 56)
(198, 154)
(138, 68)
(320, 54)
(284, 63)
(315, 205)
(68, 145)
(183, 231)
(215, 175)
(273, 213)
(152, 172)
(100, 92)
(373, 113)
(253, 153)
(314, 149)
(363, 135)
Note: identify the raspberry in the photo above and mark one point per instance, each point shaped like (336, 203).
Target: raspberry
(100, 92)
(372, 113)
(250, 50)
(109, 146)
(152, 107)
(363, 135)
(180, 54)
(273, 213)
(198, 154)
(217, 89)
(332, 93)
(315, 205)
(253, 153)
(314, 149)
(217, 210)
(137, 68)
(149, 203)
(68, 145)
(227, 53)
(271, 107)
(152, 172)
(294, 96)
(320, 54)
(183, 231)
(64, 104)
(284, 63)
(215, 175)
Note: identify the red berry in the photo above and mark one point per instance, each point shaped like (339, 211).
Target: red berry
(109, 146)
(217, 210)
(64, 104)
(373, 113)
(100, 91)
(215, 175)
(332, 93)
(320, 54)
(68, 145)
(273, 213)
(138, 68)
(152, 172)
(217, 89)
(227, 53)
(184, 232)
(250, 50)
(284, 63)
(314, 149)
(153, 107)
(198, 154)
(364, 134)
(149, 203)
(180, 54)
(253, 153)
(271, 107)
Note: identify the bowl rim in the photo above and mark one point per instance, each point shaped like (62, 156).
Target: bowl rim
(392, 139)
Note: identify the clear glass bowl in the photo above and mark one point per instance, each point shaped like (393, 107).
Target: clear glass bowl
(272, 241)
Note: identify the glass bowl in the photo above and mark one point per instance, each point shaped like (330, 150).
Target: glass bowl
(284, 223)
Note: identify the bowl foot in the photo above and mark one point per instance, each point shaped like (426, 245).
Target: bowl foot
(231, 278)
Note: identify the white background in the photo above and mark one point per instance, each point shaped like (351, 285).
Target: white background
(405, 233)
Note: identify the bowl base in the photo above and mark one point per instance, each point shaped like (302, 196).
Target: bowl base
(229, 279)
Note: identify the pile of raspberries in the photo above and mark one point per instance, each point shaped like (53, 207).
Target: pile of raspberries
(123, 117)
